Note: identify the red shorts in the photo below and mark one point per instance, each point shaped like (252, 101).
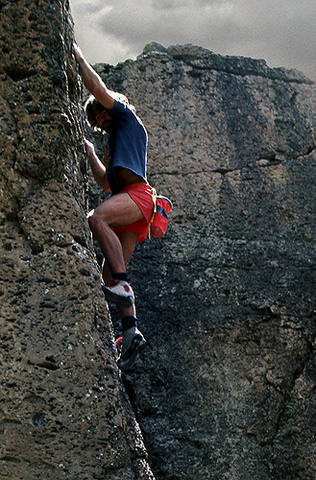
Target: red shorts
(141, 194)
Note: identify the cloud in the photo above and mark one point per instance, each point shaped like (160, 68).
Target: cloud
(282, 31)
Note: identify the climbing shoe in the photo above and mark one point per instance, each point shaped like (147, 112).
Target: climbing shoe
(119, 292)
(133, 342)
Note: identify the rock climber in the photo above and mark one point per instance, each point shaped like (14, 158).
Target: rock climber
(122, 220)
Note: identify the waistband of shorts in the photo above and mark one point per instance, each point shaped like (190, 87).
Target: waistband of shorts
(137, 187)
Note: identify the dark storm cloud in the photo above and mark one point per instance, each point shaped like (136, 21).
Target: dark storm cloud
(281, 31)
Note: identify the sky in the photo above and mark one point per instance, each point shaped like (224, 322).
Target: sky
(283, 32)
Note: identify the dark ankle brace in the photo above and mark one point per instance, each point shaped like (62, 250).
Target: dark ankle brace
(128, 322)
(120, 276)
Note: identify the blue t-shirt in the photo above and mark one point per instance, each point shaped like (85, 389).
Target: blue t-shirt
(128, 144)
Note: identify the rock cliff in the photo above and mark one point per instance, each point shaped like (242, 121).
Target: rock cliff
(63, 412)
(226, 300)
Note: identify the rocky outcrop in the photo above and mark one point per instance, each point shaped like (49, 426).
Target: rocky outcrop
(63, 412)
(226, 300)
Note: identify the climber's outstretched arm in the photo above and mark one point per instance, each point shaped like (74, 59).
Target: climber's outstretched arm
(93, 81)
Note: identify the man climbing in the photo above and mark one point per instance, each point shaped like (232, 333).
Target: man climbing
(123, 219)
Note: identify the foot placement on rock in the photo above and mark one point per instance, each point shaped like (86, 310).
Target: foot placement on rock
(120, 293)
(133, 343)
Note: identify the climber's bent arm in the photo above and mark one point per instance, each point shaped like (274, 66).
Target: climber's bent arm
(93, 81)
(97, 167)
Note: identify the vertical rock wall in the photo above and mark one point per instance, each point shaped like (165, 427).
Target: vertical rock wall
(227, 299)
(63, 414)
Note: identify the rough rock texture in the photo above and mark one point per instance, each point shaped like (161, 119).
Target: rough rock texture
(226, 389)
(63, 411)
(226, 300)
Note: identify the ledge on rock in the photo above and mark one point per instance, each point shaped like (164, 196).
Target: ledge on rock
(203, 58)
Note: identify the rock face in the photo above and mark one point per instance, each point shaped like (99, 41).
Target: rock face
(63, 412)
(226, 300)
(225, 389)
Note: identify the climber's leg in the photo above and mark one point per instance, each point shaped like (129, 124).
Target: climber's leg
(119, 210)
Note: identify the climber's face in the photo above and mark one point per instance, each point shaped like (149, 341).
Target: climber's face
(103, 120)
